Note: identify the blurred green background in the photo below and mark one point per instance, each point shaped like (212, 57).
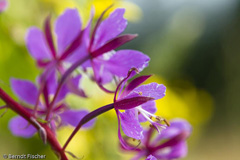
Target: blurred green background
(194, 47)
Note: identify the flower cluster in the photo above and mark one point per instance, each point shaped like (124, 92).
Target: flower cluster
(93, 52)
(170, 144)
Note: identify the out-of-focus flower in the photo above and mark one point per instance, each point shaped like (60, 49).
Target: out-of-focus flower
(61, 114)
(3, 5)
(139, 106)
(170, 144)
(106, 62)
(41, 44)
(74, 44)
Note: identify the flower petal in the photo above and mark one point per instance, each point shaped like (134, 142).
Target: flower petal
(133, 84)
(25, 90)
(150, 107)
(110, 28)
(154, 90)
(120, 63)
(20, 127)
(37, 45)
(150, 157)
(178, 151)
(130, 125)
(175, 152)
(67, 27)
(73, 117)
(73, 86)
(101, 75)
(62, 93)
(123, 143)
(176, 127)
(82, 50)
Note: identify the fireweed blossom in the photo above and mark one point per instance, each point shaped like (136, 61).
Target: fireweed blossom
(44, 108)
(138, 103)
(170, 144)
(61, 115)
(75, 44)
(105, 61)
(68, 32)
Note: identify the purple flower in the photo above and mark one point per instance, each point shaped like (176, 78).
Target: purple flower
(170, 144)
(105, 61)
(3, 5)
(68, 32)
(61, 114)
(138, 103)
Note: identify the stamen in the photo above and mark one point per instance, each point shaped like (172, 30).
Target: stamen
(150, 125)
(164, 120)
(159, 118)
(146, 112)
(140, 93)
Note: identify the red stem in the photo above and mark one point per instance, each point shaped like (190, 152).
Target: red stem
(16, 107)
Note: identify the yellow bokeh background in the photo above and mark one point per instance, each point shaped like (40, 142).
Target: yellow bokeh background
(170, 49)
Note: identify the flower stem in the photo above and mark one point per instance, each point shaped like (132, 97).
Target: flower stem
(62, 81)
(87, 118)
(51, 138)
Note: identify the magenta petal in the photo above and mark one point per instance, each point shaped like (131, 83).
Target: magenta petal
(122, 61)
(150, 157)
(67, 27)
(110, 28)
(174, 152)
(20, 127)
(133, 84)
(130, 125)
(123, 143)
(119, 64)
(154, 90)
(49, 78)
(177, 126)
(82, 50)
(37, 45)
(78, 54)
(73, 117)
(62, 93)
(150, 107)
(178, 151)
(74, 87)
(101, 74)
(25, 90)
